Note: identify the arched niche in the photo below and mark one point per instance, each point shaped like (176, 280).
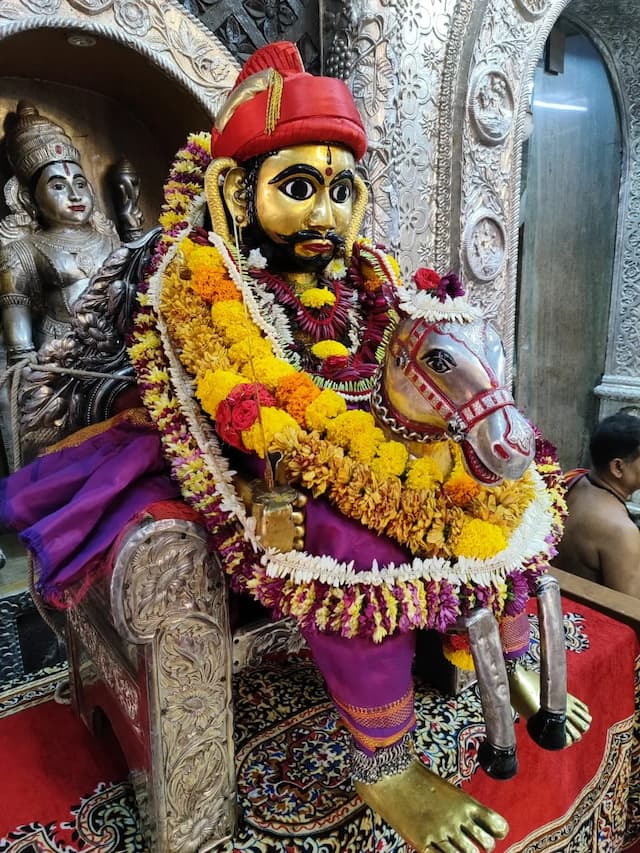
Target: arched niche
(568, 227)
(123, 77)
(506, 48)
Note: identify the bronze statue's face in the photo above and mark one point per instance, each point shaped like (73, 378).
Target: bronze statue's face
(63, 195)
(304, 202)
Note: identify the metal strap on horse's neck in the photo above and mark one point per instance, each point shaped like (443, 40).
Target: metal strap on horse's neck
(382, 413)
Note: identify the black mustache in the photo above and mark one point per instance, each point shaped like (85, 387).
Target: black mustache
(292, 239)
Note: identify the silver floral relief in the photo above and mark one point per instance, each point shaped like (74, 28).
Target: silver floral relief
(615, 29)
(252, 646)
(163, 568)
(396, 55)
(162, 30)
(91, 7)
(194, 711)
(420, 42)
(358, 50)
(507, 46)
(532, 9)
(110, 670)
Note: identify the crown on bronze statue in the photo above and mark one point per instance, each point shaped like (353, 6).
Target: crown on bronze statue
(34, 141)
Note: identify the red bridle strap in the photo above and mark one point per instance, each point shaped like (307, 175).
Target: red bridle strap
(460, 419)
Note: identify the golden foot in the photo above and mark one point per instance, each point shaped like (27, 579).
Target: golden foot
(432, 815)
(525, 699)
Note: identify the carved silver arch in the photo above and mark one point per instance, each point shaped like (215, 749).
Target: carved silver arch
(161, 30)
(507, 47)
(444, 88)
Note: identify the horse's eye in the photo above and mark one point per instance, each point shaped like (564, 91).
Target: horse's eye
(439, 360)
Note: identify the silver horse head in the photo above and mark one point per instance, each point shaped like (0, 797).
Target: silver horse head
(447, 378)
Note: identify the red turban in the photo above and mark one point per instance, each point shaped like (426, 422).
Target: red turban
(275, 104)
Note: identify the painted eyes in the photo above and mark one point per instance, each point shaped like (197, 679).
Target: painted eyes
(301, 189)
(439, 360)
(340, 193)
(61, 186)
(298, 189)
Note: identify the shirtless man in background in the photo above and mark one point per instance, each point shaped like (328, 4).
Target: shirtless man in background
(601, 541)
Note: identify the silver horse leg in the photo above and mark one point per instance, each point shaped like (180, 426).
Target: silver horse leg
(497, 754)
(547, 726)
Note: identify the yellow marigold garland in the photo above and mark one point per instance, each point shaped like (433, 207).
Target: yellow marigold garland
(355, 609)
(429, 504)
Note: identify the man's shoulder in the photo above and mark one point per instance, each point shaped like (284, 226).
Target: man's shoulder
(598, 507)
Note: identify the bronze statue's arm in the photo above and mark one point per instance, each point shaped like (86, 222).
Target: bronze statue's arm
(17, 326)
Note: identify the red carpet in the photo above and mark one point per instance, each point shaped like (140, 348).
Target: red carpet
(62, 791)
(48, 760)
(570, 791)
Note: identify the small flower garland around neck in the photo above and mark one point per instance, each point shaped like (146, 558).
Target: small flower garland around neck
(199, 323)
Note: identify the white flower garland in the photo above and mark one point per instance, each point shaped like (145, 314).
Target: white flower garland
(421, 304)
(526, 541)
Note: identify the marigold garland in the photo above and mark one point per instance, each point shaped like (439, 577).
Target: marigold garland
(405, 498)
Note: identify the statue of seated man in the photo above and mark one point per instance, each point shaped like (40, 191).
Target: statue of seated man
(273, 327)
(54, 239)
(261, 335)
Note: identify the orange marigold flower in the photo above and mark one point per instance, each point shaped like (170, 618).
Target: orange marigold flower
(209, 276)
(212, 289)
(461, 489)
(370, 276)
(294, 393)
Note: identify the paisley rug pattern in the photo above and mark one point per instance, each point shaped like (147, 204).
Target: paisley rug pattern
(294, 788)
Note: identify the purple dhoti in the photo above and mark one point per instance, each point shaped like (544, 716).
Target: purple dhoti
(370, 683)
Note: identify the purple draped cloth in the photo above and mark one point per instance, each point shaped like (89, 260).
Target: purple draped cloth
(70, 506)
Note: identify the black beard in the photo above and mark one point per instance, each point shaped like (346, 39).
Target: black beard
(281, 257)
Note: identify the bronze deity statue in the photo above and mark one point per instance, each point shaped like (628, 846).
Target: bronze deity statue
(53, 240)
(126, 188)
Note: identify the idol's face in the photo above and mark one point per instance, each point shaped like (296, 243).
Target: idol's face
(304, 202)
(63, 195)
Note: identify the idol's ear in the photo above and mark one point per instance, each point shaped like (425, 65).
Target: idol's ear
(360, 199)
(235, 195)
(215, 181)
(26, 202)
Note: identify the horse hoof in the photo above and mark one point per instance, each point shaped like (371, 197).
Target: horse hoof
(497, 762)
(548, 729)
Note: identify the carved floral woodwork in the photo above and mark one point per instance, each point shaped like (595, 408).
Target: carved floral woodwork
(246, 25)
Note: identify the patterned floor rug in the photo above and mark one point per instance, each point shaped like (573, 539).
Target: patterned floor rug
(294, 789)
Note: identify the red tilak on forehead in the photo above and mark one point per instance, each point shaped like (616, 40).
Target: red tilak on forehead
(66, 168)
